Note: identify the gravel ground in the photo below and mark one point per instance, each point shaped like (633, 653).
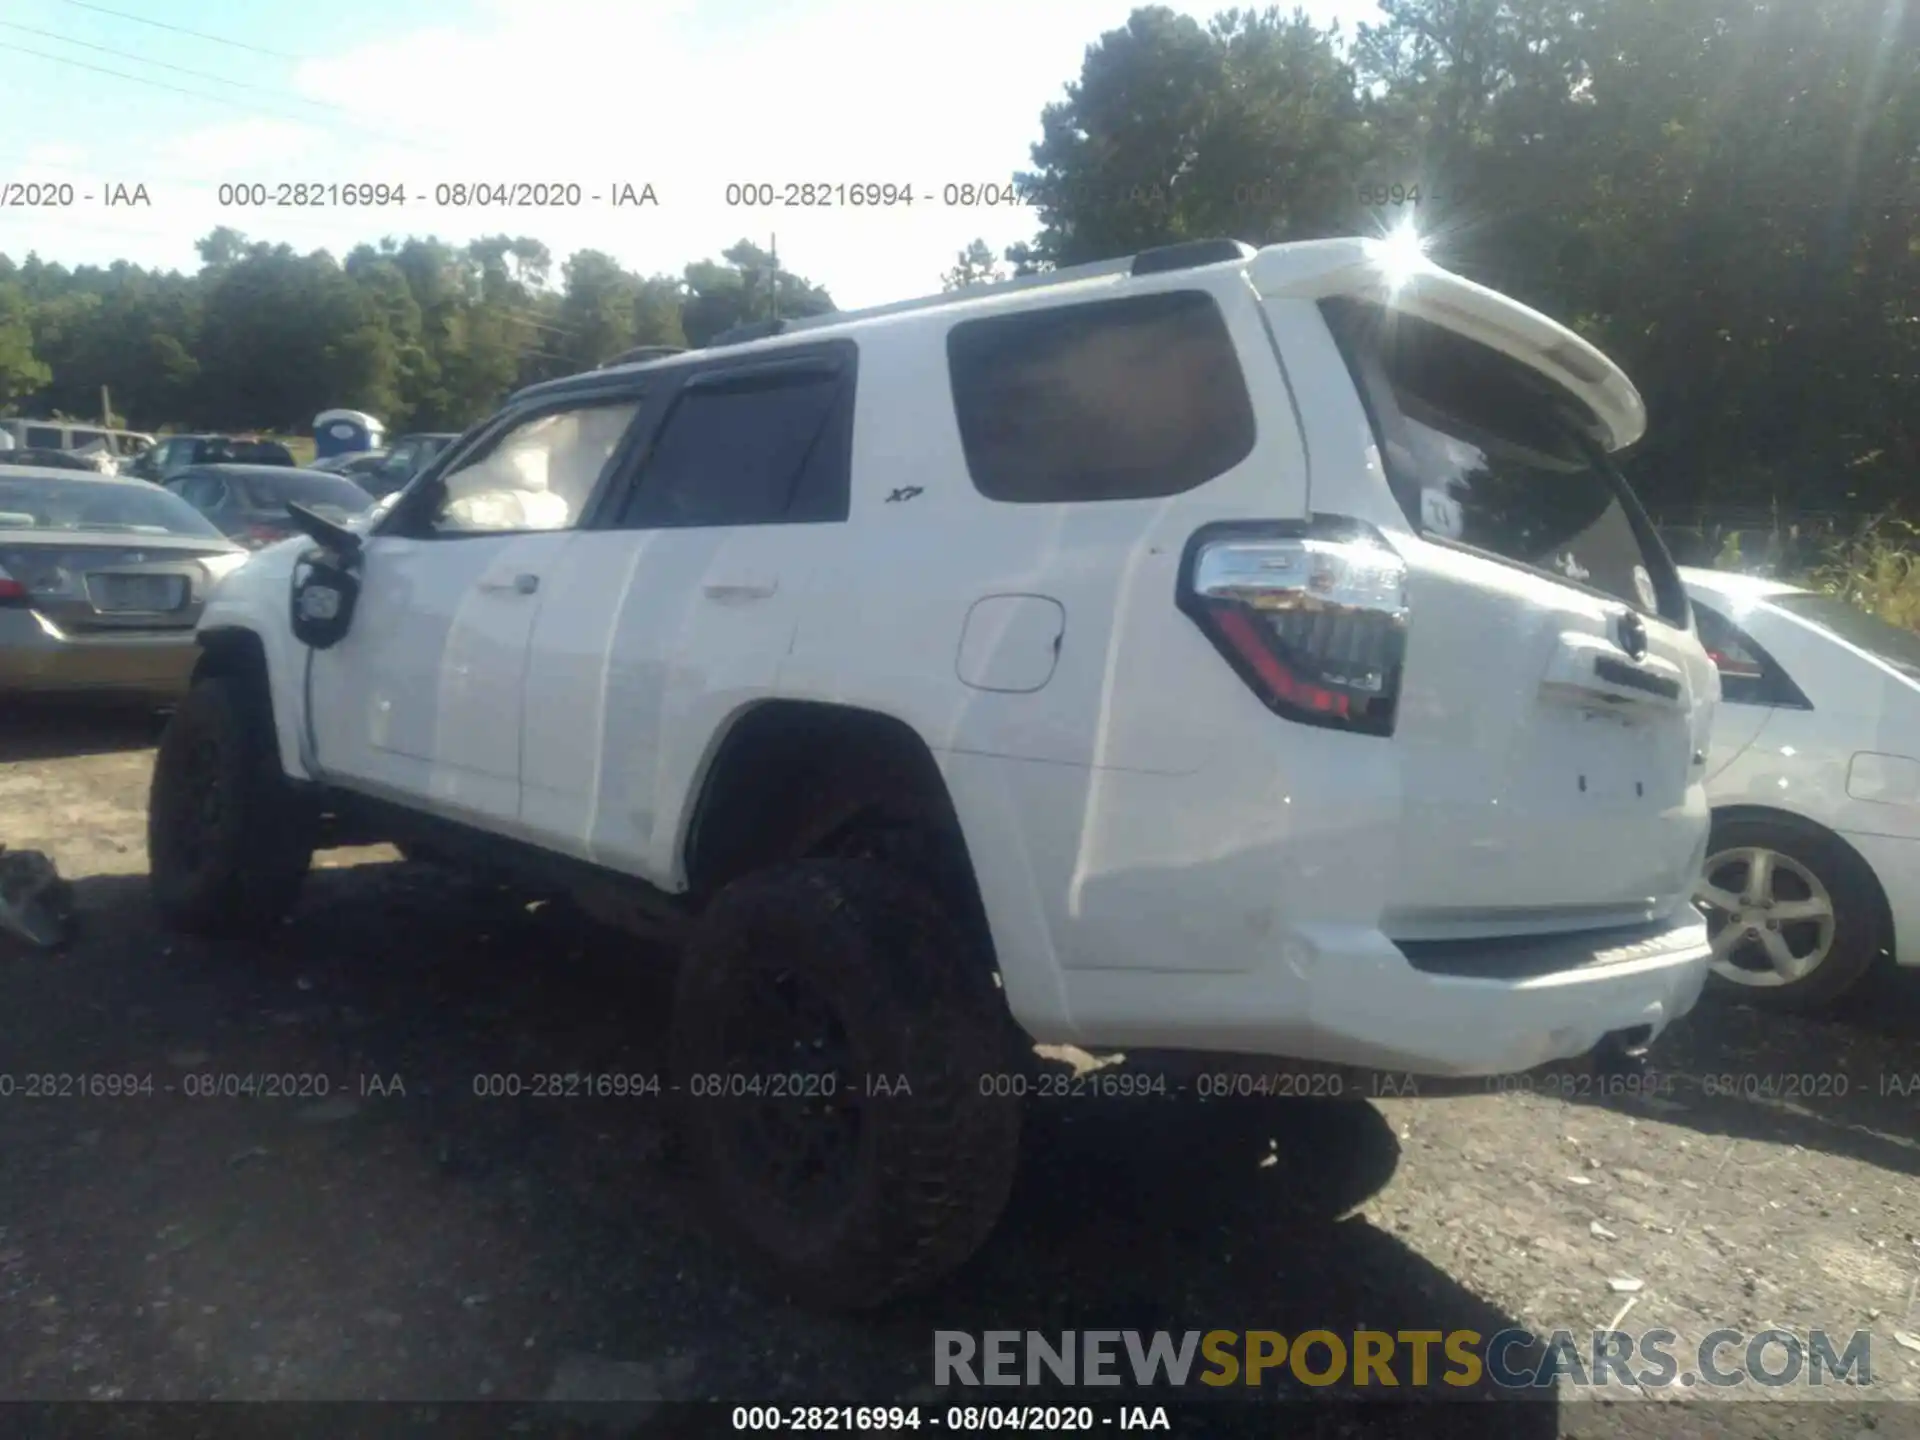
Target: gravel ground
(400, 1237)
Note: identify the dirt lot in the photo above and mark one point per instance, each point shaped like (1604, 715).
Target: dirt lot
(401, 1237)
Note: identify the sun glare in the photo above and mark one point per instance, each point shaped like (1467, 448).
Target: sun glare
(1401, 254)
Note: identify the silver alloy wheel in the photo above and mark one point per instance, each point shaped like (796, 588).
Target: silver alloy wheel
(1762, 937)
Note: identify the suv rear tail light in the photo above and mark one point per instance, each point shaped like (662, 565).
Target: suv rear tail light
(256, 536)
(1312, 616)
(12, 592)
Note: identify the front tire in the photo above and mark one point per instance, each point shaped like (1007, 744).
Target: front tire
(229, 839)
(836, 1052)
(1795, 914)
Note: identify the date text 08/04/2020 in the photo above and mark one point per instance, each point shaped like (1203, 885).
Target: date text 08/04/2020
(455, 195)
(958, 1419)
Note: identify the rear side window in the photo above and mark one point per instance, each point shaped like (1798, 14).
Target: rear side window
(44, 437)
(758, 446)
(1748, 675)
(1128, 399)
(1483, 450)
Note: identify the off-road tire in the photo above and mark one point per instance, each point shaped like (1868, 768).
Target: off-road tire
(229, 838)
(1859, 931)
(930, 1172)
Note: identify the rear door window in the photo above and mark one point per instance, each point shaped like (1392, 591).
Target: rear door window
(762, 444)
(45, 437)
(1483, 451)
(1129, 399)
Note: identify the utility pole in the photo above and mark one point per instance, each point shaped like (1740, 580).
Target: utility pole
(106, 409)
(774, 280)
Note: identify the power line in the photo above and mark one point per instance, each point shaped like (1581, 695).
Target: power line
(183, 30)
(221, 99)
(27, 162)
(164, 65)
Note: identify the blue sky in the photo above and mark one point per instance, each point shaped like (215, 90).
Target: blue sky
(686, 96)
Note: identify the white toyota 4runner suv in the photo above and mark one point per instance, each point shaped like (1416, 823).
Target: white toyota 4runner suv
(1213, 650)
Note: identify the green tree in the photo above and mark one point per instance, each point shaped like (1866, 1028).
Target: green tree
(21, 373)
(974, 265)
(744, 287)
(1249, 128)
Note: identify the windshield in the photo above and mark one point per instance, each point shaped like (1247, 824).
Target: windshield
(1481, 450)
(85, 505)
(1893, 644)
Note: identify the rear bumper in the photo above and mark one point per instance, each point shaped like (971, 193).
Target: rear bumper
(38, 660)
(1895, 861)
(1354, 998)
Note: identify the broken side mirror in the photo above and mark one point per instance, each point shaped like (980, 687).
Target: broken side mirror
(325, 580)
(324, 590)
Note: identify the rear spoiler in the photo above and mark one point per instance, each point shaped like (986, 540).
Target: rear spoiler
(1320, 269)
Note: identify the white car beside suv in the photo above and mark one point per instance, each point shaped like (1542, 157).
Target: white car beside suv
(1211, 650)
(1814, 777)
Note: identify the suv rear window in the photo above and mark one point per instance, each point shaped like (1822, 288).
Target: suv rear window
(1483, 450)
(1128, 399)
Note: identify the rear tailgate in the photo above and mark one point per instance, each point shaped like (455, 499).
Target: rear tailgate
(1548, 776)
(1553, 695)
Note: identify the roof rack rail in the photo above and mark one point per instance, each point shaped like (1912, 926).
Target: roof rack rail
(752, 330)
(1147, 262)
(1189, 253)
(641, 352)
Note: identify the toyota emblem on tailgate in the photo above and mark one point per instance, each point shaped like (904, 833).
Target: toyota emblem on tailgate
(1632, 634)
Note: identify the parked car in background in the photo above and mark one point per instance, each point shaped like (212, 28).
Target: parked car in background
(123, 446)
(356, 467)
(249, 502)
(175, 453)
(406, 457)
(101, 582)
(86, 461)
(1813, 871)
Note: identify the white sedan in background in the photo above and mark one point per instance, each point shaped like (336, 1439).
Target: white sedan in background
(1813, 870)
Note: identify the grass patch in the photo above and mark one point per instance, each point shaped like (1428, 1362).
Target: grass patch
(1877, 568)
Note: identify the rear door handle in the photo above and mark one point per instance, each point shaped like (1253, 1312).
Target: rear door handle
(518, 585)
(1586, 668)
